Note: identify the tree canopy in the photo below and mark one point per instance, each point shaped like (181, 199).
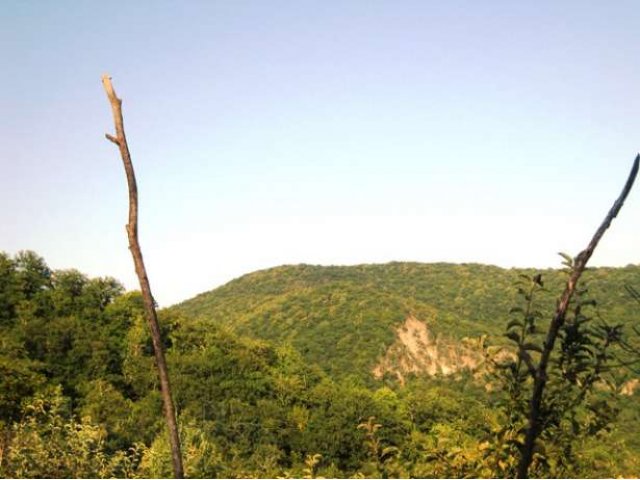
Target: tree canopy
(272, 376)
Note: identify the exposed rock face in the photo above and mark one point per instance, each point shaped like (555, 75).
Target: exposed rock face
(416, 350)
(630, 387)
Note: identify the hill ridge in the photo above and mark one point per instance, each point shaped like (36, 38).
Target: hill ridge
(344, 317)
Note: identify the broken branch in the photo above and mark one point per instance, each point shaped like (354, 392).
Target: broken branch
(149, 304)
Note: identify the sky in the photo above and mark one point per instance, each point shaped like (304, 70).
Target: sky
(324, 132)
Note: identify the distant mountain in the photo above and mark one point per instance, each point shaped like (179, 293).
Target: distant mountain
(350, 319)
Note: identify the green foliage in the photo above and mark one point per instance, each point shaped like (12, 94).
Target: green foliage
(62, 337)
(201, 457)
(272, 375)
(579, 394)
(49, 443)
(343, 318)
(20, 377)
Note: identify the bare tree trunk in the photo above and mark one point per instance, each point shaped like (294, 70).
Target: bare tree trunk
(149, 305)
(540, 379)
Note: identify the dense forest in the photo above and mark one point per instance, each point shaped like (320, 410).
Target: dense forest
(342, 318)
(280, 374)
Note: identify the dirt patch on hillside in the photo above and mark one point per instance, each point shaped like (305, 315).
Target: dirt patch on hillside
(630, 387)
(417, 350)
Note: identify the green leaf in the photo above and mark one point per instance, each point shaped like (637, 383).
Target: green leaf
(506, 365)
(388, 451)
(532, 346)
(513, 336)
(568, 259)
(514, 323)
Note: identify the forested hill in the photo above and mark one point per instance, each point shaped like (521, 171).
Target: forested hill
(345, 318)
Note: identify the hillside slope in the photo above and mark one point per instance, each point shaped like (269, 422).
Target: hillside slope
(346, 318)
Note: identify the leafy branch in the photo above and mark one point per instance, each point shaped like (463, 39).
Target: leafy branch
(577, 268)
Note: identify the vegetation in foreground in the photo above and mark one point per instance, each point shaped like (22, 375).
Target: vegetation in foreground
(272, 375)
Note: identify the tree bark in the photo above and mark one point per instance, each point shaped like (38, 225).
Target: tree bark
(540, 379)
(149, 304)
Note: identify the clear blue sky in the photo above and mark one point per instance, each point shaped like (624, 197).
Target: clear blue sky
(328, 132)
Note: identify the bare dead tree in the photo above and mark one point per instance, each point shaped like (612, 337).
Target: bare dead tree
(540, 375)
(149, 304)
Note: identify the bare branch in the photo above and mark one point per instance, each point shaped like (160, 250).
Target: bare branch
(149, 304)
(111, 138)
